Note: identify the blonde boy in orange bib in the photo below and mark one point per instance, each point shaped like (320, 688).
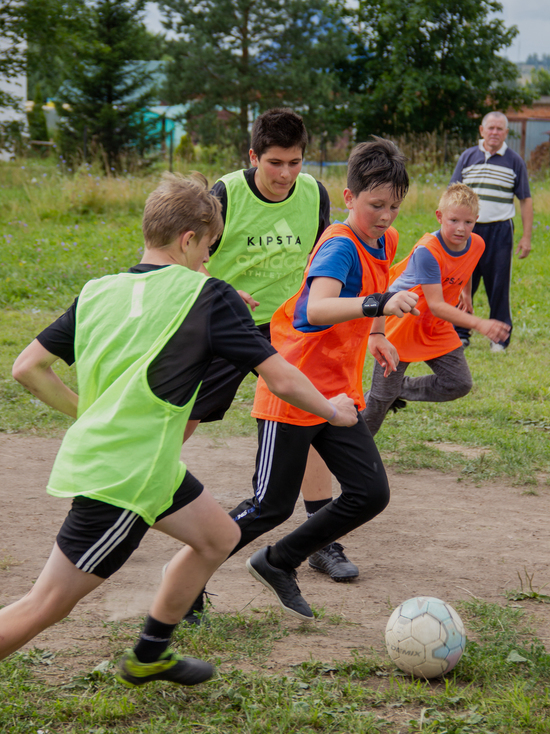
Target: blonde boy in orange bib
(439, 270)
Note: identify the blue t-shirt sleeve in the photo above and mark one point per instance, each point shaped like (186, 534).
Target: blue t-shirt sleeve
(336, 258)
(422, 269)
(426, 267)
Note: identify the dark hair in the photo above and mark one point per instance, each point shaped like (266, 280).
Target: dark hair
(280, 126)
(180, 204)
(377, 163)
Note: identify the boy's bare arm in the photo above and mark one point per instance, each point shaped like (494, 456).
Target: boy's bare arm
(33, 369)
(289, 384)
(326, 307)
(465, 302)
(381, 349)
(497, 331)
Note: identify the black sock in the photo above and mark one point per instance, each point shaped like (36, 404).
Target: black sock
(276, 561)
(154, 640)
(313, 506)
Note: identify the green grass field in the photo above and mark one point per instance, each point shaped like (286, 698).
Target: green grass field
(58, 231)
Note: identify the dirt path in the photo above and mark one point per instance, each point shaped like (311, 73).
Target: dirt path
(438, 537)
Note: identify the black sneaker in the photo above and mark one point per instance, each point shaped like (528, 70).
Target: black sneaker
(170, 667)
(333, 561)
(281, 583)
(398, 404)
(195, 613)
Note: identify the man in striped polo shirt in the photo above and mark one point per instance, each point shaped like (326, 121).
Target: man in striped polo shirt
(497, 174)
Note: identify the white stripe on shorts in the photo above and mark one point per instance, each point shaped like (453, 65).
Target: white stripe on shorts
(266, 458)
(109, 540)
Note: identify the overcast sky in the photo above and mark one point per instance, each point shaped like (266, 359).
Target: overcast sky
(532, 17)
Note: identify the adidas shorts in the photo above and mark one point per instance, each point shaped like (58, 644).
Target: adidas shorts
(99, 538)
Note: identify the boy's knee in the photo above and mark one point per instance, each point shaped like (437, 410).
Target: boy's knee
(372, 501)
(228, 539)
(46, 610)
(462, 388)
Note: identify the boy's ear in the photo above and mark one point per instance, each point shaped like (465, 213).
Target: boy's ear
(439, 216)
(185, 239)
(348, 198)
(254, 159)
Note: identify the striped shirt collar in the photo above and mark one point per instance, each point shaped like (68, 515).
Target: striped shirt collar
(500, 151)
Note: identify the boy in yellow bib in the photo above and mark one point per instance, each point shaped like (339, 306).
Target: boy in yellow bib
(142, 342)
(273, 216)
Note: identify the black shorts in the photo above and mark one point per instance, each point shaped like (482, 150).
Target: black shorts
(219, 387)
(99, 538)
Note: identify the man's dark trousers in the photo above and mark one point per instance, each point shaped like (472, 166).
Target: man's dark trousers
(495, 267)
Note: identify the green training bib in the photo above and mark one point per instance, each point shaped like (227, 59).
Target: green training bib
(124, 447)
(265, 246)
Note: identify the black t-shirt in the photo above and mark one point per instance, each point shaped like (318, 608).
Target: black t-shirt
(218, 324)
(220, 191)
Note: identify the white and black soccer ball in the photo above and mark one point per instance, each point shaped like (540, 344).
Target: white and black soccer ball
(425, 637)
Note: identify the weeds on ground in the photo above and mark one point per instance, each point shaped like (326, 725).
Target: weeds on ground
(500, 685)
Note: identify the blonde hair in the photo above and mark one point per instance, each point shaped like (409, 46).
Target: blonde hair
(180, 204)
(458, 194)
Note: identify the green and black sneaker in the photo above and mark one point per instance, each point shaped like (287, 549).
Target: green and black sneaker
(170, 666)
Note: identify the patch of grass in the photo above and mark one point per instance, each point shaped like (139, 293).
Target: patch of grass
(505, 648)
(500, 685)
(20, 411)
(527, 590)
(57, 231)
(7, 561)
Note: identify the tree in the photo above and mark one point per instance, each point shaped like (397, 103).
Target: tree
(56, 32)
(12, 51)
(540, 82)
(107, 88)
(433, 66)
(38, 129)
(236, 58)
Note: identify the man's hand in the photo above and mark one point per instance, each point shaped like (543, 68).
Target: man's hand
(384, 353)
(496, 331)
(401, 303)
(523, 248)
(247, 298)
(346, 412)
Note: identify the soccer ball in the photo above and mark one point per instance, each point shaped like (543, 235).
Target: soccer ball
(425, 637)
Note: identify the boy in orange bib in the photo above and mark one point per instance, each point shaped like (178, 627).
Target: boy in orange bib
(439, 270)
(324, 331)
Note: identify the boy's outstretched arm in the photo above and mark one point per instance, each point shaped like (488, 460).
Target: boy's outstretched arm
(289, 384)
(325, 306)
(33, 369)
(496, 331)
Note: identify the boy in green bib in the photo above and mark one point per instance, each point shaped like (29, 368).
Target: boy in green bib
(142, 342)
(273, 216)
